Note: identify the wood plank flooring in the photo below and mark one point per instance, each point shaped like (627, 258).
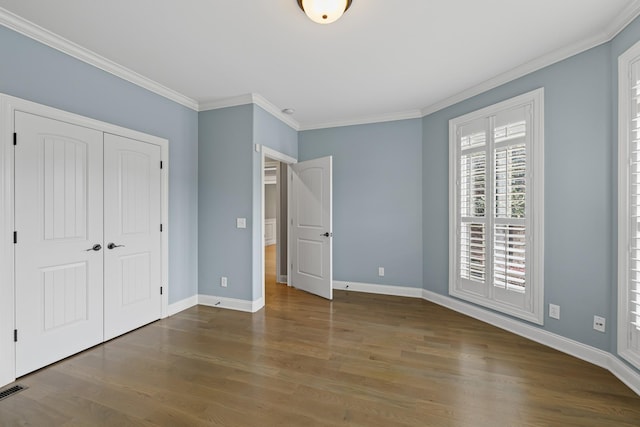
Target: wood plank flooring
(361, 360)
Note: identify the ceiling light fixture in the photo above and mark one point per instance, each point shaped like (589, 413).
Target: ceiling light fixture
(324, 11)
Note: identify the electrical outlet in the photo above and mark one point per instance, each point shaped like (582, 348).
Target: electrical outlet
(554, 311)
(599, 323)
(241, 222)
(223, 282)
(381, 271)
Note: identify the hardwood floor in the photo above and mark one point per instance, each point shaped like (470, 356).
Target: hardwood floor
(361, 360)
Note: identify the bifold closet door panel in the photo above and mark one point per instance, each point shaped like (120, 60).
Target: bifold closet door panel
(59, 254)
(132, 234)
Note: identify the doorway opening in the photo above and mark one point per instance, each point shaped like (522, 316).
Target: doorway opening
(274, 226)
(275, 213)
(305, 253)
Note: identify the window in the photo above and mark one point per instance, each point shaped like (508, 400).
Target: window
(496, 207)
(629, 206)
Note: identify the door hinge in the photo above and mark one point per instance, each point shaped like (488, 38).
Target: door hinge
(15, 237)
(160, 290)
(15, 138)
(160, 164)
(15, 335)
(161, 228)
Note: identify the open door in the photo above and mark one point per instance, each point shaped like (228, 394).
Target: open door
(311, 246)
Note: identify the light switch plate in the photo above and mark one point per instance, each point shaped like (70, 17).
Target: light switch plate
(241, 222)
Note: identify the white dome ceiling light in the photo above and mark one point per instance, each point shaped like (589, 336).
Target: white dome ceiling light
(324, 11)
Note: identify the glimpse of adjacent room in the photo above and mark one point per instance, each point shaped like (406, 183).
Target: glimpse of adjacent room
(274, 227)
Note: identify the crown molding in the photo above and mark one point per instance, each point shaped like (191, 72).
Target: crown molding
(251, 98)
(379, 118)
(275, 111)
(622, 20)
(233, 101)
(48, 38)
(54, 41)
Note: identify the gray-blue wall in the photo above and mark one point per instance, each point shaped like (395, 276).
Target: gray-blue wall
(35, 72)
(377, 199)
(390, 179)
(230, 187)
(578, 188)
(225, 193)
(275, 134)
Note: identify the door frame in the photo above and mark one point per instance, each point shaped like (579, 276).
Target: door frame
(8, 106)
(284, 160)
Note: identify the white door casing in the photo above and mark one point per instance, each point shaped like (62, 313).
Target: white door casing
(311, 230)
(59, 215)
(132, 234)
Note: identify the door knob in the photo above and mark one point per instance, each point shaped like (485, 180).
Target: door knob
(327, 234)
(113, 246)
(95, 247)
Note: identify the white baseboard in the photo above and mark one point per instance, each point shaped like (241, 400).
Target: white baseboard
(257, 305)
(574, 348)
(231, 303)
(624, 373)
(398, 291)
(182, 305)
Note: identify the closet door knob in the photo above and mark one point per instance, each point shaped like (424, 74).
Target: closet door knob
(113, 246)
(95, 247)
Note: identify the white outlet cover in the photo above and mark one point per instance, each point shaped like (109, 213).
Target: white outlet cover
(599, 323)
(241, 222)
(381, 271)
(223, 282)
(554, 311)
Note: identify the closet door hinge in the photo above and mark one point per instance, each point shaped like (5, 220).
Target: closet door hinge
(15, 335)
(15, 237)
(15, 138)
(161, 228)
(160, 290)
(160, 164)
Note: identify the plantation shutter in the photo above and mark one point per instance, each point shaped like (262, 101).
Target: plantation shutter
(496, 201)
(473, 225)
(629, 205)
(510, 167)
(634, 207)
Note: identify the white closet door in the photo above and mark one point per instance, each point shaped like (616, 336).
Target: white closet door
(132, 234)
(59, 219)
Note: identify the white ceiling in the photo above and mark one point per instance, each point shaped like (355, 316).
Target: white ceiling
(383, 57)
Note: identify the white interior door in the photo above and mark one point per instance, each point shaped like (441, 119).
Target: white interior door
(311, 230)
(132, 234)
(59, 219)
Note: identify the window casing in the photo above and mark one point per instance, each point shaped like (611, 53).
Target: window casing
(629, 206)
(496, 205)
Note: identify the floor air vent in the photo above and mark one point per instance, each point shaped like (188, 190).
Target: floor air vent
(11, 391)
